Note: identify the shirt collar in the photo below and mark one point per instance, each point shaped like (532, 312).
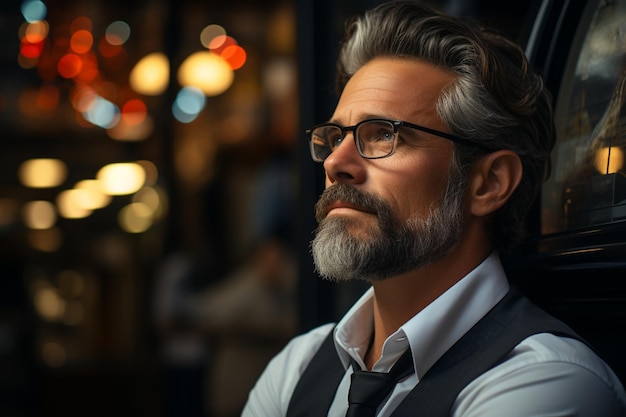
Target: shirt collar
(432, 331)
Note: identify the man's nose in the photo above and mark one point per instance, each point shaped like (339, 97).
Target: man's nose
(345, 164)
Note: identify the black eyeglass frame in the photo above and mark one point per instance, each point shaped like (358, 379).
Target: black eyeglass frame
(397, 124)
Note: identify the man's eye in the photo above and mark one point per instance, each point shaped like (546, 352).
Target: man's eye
(382, 135)
(387, 135)
(335, 140)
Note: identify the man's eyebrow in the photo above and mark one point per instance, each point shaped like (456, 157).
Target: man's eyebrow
(363, 117)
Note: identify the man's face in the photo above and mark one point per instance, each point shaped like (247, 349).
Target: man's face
(383, 217)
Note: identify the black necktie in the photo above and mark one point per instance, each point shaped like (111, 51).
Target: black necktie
(368, 389)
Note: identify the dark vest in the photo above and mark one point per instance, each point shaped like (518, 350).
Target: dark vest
(512, 320)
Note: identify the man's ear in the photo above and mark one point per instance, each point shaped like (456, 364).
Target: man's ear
(492, 181)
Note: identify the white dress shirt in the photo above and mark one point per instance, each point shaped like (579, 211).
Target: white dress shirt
(544, 375)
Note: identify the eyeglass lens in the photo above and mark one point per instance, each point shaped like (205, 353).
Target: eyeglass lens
(374, 139)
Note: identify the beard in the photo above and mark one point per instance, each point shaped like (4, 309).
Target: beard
(391, 246)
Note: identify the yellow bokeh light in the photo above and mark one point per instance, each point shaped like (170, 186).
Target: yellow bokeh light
(94, 196)
(151, 74)
(69, 204)
(154, 198)
(135, 218)
(39, 215)
(207, 71)
(149, 197)
(42, 173)
(609, 160)
(121, 178)
(49, 304)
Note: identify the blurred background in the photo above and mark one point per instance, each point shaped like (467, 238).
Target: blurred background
(156, 197)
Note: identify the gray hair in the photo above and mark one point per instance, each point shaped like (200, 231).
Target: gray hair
(497, 99)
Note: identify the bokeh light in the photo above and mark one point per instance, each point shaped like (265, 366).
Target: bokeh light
(39, 214)
(36, 31)
(69, 204)
(135, 218)
(150, 76)
(121, 178)
(188, 104)
(153, 198)
(81, 41)
(218, 43)
(48, 303)
(69, 65)
(33, 10)
(94, 196)
(117, 33)
(209, 33)
(134, 111)
(42, 172)
(207, 71)
(32, 37)
(134, 124)
(102, 113)
(235, 55)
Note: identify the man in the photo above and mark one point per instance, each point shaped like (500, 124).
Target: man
(434, 153)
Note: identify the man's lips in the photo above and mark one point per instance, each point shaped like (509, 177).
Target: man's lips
(344, 205)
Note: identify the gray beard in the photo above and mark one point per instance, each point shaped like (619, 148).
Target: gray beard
(392, 246)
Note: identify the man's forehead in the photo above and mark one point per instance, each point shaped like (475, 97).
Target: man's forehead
(394, 88)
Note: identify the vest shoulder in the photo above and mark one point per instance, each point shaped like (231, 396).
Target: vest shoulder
(300, 350)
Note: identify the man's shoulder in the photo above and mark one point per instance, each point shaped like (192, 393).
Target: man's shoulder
(291, 362)
(272, 392)
(301, 349)
(546, 372)
(546, 348)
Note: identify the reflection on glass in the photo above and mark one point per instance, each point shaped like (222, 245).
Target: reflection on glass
(588, 185)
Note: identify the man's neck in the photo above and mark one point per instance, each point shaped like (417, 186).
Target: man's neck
(398, 299)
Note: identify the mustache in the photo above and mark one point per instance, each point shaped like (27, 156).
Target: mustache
(349, 194)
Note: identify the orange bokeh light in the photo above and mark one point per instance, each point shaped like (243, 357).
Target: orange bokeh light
(219, 43)
(134, 111)
(235, 55)
(31, 49)
(81, 41)
(70, 65)
(33, 38)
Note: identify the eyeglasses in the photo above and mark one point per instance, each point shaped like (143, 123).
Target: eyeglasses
(374, 138)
